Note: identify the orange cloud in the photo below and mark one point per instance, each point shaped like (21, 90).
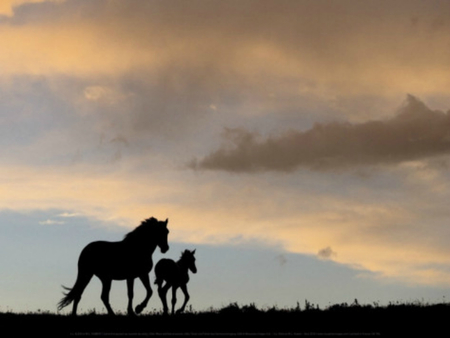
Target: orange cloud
(76, 50)
(7, 6)
(350, 55)
(386, 232)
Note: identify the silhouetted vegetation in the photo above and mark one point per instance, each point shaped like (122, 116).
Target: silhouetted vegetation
(398, 318)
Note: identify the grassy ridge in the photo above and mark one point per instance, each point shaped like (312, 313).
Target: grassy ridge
(236, 320)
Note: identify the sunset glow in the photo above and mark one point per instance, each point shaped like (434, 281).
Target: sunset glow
(317, 129)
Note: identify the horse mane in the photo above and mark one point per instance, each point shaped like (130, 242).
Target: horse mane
(138, 231)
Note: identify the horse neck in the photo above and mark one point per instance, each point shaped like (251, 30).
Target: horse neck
(140, 244)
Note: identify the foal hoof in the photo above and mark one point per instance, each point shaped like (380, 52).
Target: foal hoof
(139, 309)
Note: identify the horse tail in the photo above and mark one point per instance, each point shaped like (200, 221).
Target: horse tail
(67, 299)
(74, 294)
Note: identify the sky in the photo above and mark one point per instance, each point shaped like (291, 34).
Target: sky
(302, 147)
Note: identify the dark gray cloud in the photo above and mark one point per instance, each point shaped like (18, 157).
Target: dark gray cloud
(281, 259)
(160, 72)
(326, 253)
(416, 132)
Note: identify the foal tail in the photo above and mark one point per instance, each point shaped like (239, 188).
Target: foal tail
(74, 294)
(158, 281)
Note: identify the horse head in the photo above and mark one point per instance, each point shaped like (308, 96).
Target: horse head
(153, 230)
(162, 235)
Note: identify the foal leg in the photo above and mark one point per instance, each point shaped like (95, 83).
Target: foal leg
(146, 282)
(186, 297)
(162, 292)
(130, 289)
(105, 294)
(174, 298)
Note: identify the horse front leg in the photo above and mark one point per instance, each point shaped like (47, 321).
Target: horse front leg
(130, 289)
(186, 297)
(146, 282)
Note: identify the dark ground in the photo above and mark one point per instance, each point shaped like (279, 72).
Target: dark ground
(392, 320)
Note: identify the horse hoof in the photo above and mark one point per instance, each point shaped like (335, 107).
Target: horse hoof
(139, 309)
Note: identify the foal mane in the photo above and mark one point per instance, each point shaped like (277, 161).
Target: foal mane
(185, 254)
(140, 229)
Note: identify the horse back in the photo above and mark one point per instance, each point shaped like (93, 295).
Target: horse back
(114, 259)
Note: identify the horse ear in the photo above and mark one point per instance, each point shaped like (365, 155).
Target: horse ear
(167, 221)
(193, 252)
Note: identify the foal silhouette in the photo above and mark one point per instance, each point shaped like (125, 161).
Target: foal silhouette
(127, 259)
(176, 275)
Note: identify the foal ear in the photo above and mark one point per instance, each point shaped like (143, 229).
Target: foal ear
(167, 221)
(193, 252)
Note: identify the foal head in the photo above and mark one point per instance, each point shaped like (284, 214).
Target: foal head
(188, 258)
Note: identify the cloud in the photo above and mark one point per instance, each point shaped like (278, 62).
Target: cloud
(54, 122)
(7, 7)
(417, 132)
(326, 253)
(51, 222)
(257, 47)
(281, 259)
(69, 214)
(151, 83)
(141, 69)
(393, 224)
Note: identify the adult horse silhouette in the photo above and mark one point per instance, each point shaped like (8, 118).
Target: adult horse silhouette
(124, 260)
(176, 275)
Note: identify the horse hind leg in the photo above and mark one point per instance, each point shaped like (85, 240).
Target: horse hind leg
(85, 278)
(106, 287)
(74, 294)
(130, 290)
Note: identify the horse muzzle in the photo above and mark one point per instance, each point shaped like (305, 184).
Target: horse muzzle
(164, 249)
